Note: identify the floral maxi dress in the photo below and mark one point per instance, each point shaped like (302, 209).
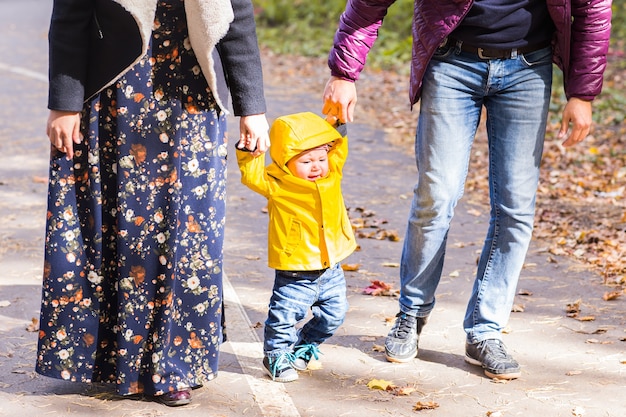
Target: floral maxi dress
(132, 289)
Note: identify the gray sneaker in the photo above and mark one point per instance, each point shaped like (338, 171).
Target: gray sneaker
(401, 342)
(279, 368)
(491, 354)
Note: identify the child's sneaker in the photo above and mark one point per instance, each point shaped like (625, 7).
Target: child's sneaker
(279, 368)
(303, 355)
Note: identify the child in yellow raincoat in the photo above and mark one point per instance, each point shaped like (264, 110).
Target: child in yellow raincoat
(309, 234)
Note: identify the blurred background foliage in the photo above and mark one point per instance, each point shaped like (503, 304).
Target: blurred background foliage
(306, 28)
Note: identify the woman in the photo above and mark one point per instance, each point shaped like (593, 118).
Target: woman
(132, 290)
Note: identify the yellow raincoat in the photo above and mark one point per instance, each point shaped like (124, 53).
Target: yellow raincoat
(309, 228)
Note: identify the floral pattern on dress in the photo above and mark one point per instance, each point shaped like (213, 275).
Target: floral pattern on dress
(132, 290)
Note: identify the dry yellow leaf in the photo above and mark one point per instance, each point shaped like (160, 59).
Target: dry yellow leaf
(380, 384)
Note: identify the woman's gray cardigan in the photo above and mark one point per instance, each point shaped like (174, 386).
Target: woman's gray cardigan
(92, 43)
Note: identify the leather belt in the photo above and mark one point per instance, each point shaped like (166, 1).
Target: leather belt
(491, 53)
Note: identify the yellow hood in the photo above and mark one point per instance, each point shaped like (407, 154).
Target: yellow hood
(292, 134)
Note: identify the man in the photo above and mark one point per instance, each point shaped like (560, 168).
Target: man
(468, 55)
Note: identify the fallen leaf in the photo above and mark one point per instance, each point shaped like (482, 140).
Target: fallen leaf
(517, 308)
(608, 296)
(572, 308)
(430, 405)
(5, 303)
(350, 267)
(572, 373)
(404, 391)
(378, 348)
(391, 264)
(380, 384)
(33, 326)
(378, 287)
(454, 274)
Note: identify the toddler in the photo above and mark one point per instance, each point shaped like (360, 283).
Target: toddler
(309, 234)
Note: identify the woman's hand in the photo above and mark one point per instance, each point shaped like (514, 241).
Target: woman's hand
(63, 130)
(254, 134)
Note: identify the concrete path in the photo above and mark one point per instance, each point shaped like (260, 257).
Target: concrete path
(570, 367)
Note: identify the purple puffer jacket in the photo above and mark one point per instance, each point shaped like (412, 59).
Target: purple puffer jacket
(580, 43)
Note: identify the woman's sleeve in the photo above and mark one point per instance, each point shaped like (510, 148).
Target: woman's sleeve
(241, 59)
(68, 43)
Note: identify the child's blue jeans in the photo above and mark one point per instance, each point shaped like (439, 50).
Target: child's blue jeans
(294, 293)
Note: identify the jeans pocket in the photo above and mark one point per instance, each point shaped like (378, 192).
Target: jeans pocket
(443, 52)
(539, 57)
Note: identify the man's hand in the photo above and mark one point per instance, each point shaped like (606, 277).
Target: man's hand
(339, 100)
(577, 112)
(254, 134)
(63, 130)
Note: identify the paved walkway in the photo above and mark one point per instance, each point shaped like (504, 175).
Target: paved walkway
(570, 367)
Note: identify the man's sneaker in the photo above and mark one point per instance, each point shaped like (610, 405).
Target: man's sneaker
(279, 368)
(401, 342)
(491, 354)
(303, 355)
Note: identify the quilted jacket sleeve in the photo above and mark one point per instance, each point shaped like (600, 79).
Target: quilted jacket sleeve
(591, 28)
(357, 31)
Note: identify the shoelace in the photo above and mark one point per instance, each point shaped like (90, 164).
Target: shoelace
(307, 352)
(281, 362)
(497, 348)
(404, 325)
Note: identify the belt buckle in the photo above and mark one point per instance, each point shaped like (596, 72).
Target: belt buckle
(480, 54)
(506, 54)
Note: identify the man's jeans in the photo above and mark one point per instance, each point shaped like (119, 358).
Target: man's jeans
(294, 293)
(516, 95)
